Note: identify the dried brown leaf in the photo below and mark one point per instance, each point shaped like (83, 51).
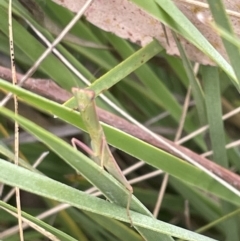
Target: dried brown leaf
(128, 21)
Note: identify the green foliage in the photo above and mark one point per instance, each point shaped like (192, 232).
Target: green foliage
(144, 88)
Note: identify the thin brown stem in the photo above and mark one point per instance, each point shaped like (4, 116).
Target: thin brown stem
(16, 126)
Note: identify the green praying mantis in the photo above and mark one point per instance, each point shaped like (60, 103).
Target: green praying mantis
(100, 151)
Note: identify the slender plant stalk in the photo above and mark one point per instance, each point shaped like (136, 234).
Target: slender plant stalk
(16, 126)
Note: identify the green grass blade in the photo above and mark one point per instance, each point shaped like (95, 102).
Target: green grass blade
(114, 227)
(119, 139)
(35, 49)
(94, 173)
(217, 135)
(126, 67)
(7, 153)
(149, 78)
(214, 114)
(122, 70)
(172, 17)
(47, 187)
(194, 83)
(58, 233)
(220, 16)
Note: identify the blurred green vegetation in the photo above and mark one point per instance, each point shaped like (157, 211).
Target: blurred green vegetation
(157, 88)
